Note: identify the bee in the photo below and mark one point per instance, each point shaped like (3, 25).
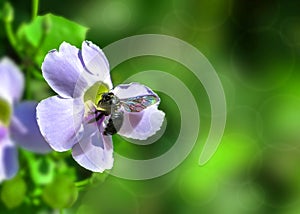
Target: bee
(110, 104)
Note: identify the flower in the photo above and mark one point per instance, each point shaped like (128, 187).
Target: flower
(18, 124)
(70, 120)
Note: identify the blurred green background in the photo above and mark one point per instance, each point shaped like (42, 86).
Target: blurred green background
(254, 47)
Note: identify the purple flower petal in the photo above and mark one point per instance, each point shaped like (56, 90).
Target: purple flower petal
(141, 125)
(94, 152)
(132, 90)
(63, 70)
(96, 62)
(25, 131)
(3, 132)
(12, 81)
(9, 159)
(89, 114)
(60, 121)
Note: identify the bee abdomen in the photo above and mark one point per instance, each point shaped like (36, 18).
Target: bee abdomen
(114, 124)
(110, 128)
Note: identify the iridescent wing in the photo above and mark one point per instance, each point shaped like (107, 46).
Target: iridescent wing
(139, 103)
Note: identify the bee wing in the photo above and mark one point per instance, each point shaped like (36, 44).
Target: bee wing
(139, 103)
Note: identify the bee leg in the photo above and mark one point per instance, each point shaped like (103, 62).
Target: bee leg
(97, 118)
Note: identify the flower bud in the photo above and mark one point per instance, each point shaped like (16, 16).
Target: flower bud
(13, 192)
(8, 12)
(61, 193)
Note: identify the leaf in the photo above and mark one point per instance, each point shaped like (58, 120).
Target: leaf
(42, 170)
(47, 32)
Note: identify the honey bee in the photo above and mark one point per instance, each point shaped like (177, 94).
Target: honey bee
(111, 105)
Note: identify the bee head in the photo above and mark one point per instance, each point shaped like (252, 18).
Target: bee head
(106, 100)
(107, 97)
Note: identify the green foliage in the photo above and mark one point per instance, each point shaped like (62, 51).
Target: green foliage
(47, 32)
(41, 168)
(13, 192)
(42, 171)
(61, 193)
(109, 197)
(246, 175)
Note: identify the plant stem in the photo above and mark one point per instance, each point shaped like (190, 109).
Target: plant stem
(35, 8)
(10, 35)
(82, 183)
(12, 39)
(28, 88)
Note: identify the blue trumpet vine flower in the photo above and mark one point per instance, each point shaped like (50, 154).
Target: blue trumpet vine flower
(18, 126)
(87, 110)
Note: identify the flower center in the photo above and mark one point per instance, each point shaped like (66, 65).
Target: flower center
(94, 93)
(91, 99)
(5, 115)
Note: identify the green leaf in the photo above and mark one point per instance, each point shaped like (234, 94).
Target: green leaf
(13, 192)
(42, 170)
(61, 193)
(32, 32)
(47, 32)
